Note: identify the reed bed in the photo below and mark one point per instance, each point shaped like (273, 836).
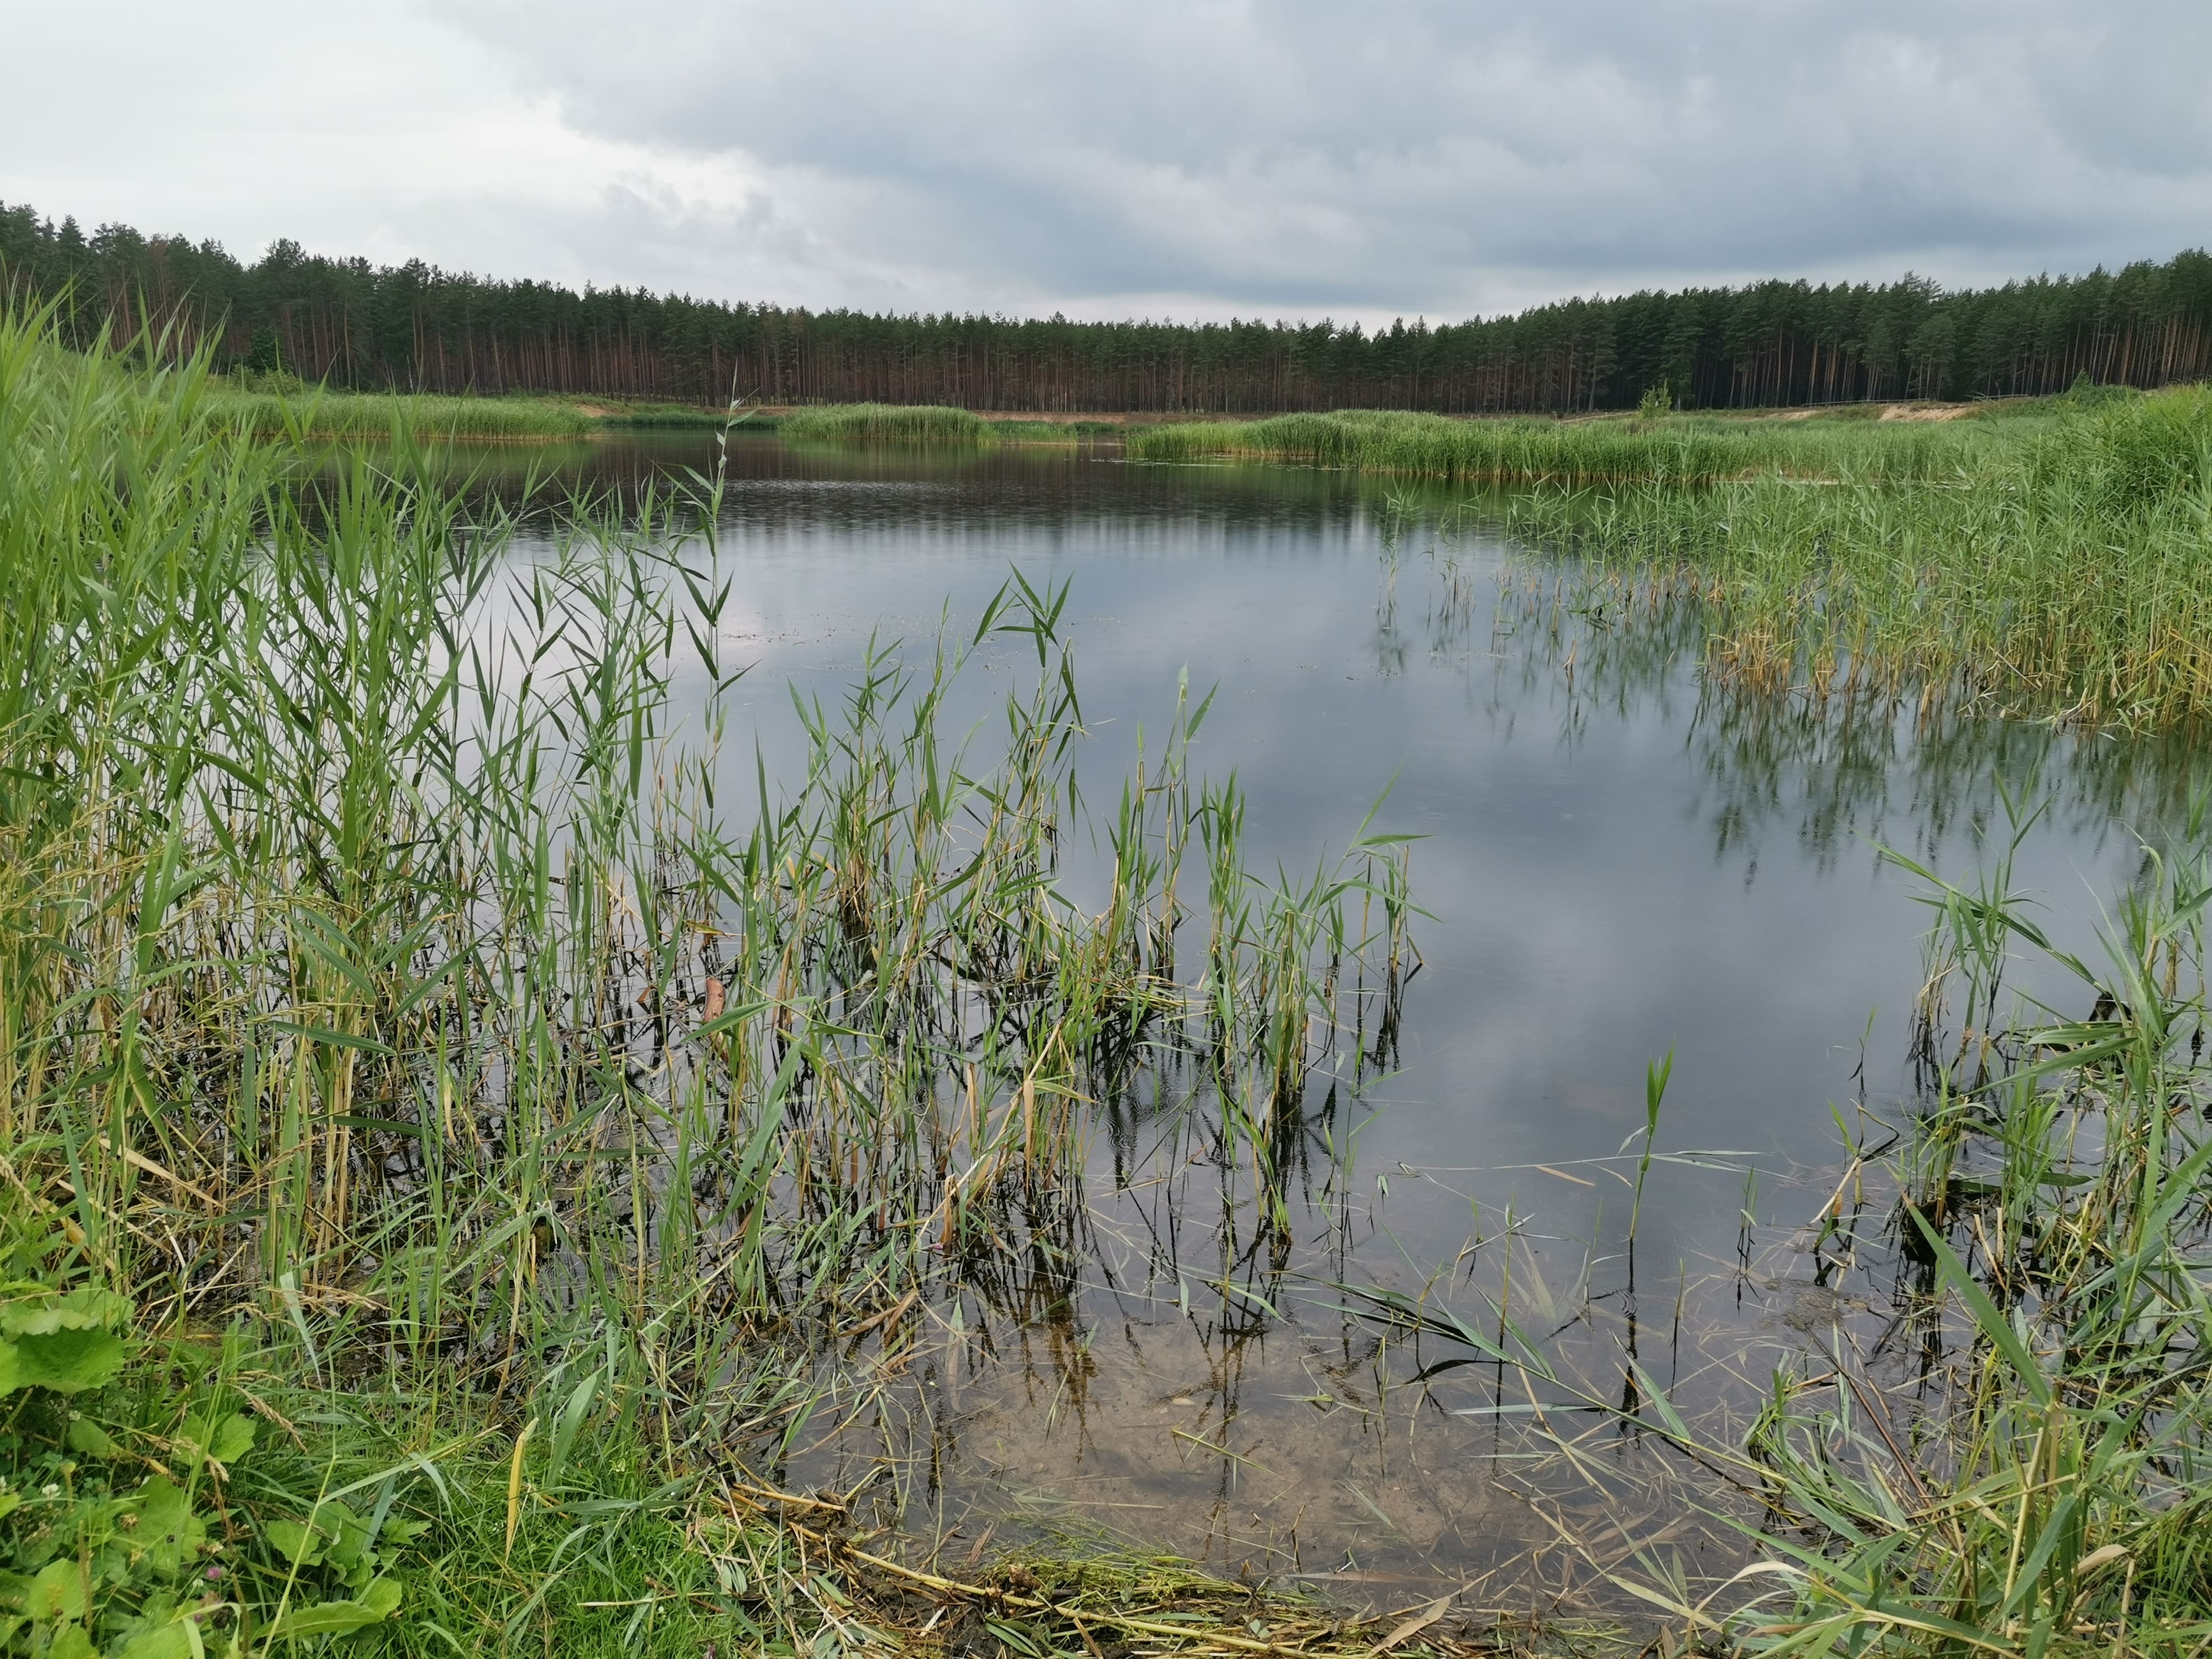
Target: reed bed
(1066, 431)
(1670, 449)
(2065, 574)
(2054, 566)
(423, 419)
(391, 977)
(888, 424)
(652, 417)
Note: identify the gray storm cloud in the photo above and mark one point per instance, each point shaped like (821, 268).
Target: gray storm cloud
(1420, 156)
(1137, 157)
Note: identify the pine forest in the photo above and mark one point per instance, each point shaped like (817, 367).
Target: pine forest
(348, 323)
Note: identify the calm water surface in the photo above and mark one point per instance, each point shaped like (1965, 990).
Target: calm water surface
(1619, 862)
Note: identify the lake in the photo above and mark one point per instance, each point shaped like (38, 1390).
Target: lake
(1619, 861)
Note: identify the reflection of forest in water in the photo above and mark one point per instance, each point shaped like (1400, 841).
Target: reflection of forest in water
(773, 487)
(1841, 773)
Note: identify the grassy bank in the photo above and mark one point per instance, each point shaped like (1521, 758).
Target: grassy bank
(2052, 559)
(901, 424)
(302, 412)
(362, 415)
(457, 1148)
(1681, 449)
(887, 423)
(2064, 569)
(1071, 430)
(256, 411)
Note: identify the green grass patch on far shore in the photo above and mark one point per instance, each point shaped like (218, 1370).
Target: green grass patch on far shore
(887, 423)
(377, 415)
(256, 409)
(1071, 430)
(1676, 448)
(932, 424)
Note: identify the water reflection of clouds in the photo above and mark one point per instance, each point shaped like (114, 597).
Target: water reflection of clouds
(1620, 858)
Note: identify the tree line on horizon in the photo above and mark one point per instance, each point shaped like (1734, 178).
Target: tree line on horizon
(352, 323)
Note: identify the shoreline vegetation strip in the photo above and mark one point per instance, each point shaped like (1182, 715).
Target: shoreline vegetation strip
(442, 1149)
(256, 409)
(2054, 563)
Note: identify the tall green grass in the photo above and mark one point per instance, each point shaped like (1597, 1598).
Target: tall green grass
(386, 975)
(421, 417)
(2053, 566)
(2065, 573)
(1673, 449)
(2047, 1492)
(887, 423)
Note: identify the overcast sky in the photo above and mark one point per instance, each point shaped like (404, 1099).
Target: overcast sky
(1132, 157)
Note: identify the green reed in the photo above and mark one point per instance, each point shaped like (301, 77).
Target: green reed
(1677, 449)
(314, 413)
(385, 960)
(887, 423)
(2050, 1236)
(388, 963)
(2064, 573)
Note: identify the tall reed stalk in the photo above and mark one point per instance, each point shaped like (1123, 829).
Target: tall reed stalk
(381, 955)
